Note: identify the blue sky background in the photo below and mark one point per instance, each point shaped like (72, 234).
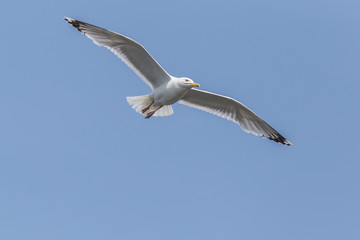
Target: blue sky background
(76, 162)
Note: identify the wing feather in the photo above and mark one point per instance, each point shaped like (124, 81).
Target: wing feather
(128, 50)
(232, 110)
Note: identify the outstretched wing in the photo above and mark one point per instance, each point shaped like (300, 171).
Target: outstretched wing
(131, 52)
(233, 110)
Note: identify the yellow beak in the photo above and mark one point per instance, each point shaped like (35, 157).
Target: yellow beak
(195, 85)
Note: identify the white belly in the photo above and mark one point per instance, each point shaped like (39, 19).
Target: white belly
(168, 94)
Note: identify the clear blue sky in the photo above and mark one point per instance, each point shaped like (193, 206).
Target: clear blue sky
(77, 162)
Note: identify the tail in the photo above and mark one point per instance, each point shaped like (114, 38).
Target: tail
(139, 103)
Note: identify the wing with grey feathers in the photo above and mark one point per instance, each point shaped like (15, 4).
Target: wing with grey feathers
(233, 110)
(131, 52)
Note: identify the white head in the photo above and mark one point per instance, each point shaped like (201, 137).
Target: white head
(187, 82)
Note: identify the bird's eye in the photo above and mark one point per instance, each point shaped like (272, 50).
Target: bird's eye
(187, 80)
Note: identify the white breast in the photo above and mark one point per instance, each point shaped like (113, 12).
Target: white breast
(169, 93)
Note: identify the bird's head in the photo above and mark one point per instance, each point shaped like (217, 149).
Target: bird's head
(187, 82)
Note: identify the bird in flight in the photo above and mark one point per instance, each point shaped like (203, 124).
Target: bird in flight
(168, 90)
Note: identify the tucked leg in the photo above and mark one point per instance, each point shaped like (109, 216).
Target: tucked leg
(152, 113)
(148, 107)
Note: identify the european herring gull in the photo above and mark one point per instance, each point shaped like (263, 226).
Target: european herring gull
(168, 90)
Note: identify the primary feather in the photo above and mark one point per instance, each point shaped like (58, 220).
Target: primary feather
(232, 110)
(128, 50)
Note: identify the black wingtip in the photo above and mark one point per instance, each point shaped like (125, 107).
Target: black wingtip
(73, 22)
(280, 139)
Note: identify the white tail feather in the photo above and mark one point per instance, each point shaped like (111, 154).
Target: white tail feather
(140, 102)
(166, 110)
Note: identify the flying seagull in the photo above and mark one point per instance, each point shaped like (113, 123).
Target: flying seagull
(168, 90)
